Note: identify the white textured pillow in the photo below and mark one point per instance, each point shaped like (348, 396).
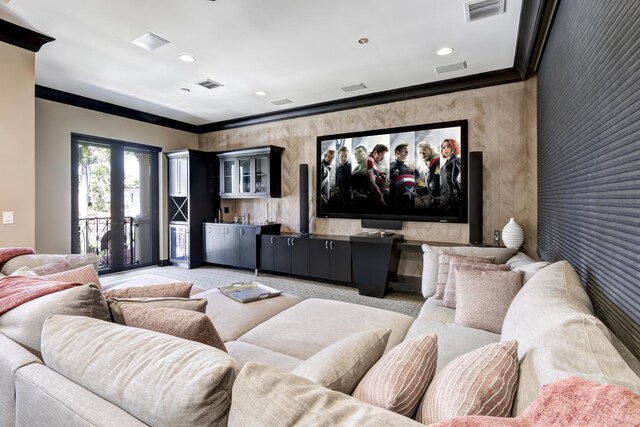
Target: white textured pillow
(24, 271)
(530, 269)
(342, 365)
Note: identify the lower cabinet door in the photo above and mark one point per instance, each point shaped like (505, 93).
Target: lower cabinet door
(232, 246)
(340, 254)
(300, 256)
(247, 247)
(283, 254)
(319, 259)
(267, 252)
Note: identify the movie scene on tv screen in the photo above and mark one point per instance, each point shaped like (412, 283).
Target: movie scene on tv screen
(416, 173)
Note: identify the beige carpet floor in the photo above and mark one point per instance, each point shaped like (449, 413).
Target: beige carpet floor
(210, 277)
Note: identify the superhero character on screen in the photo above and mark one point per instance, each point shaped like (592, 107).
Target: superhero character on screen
(450, 176)
(343, 177)
(428, 184)
(367, 181)
(325, 183)
(403, 179)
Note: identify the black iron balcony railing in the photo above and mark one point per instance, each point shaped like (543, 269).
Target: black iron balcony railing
(95, 236)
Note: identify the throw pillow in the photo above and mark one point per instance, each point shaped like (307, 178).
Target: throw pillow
(24, 271)
(449, 297)
(116, 304)
(265, 396)
(52, 267)
(85, 275)
(187, 324)
(529, 270)
(159, 379)
(444, 260)
(483, 297)
(481, 382)
(572, 401)
(341, 365)
(177, 290)
(399, 379)
(24, 323)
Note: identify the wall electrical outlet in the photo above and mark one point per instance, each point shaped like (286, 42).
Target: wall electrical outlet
(496, 238)
(7, 217)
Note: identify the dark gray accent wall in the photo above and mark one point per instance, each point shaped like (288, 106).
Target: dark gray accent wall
(589, 155)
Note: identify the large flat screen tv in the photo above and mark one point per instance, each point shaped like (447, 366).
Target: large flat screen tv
(413, 173)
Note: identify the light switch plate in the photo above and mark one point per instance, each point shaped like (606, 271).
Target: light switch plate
(7, 217)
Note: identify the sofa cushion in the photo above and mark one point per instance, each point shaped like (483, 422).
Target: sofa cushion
(233, 319)
(159, 379)
(552, 296)
(175, 289)
(431, 255)
(24, 323)
(399, 379)
(187, 324)
(484, 297)
(579, 347)
(116, 304)
(56, 266)
(264, 396)
(306, 328)
(34, 260)
(481, 382)
(453, 340)
(244, 353)
(444, 265)
(433, 310)
(85, 275)
(449, 296)
(341, 365)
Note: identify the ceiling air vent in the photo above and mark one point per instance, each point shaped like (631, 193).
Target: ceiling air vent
(209, 84)
(451, 67)
(282, 102)
(150, 41)
(483, 9)
(352, 88)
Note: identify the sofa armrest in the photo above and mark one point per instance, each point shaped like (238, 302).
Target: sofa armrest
(43, 395)
(12, 357)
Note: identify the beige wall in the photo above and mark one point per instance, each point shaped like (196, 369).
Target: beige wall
(54, 124)
(501, 125)
(17, 145)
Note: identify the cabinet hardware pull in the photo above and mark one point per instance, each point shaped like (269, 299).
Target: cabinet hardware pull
(293, 241)
(242, 231)
(331, 245)
(271, 240)
(326, 244)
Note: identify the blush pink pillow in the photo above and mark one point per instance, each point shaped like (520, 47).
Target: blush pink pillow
(570, 402)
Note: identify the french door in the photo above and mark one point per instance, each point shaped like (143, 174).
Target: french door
(114, 195)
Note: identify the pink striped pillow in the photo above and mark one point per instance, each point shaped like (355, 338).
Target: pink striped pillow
(449, 297)
(399, 379)
(85, 275)
(481, 382)
(444, 260)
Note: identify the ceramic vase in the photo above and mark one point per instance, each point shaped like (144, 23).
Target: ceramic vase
(512, 234)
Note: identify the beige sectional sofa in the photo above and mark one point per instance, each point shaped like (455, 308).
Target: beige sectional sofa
(96, 373)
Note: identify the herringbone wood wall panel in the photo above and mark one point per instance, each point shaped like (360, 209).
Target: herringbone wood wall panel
(501, 125)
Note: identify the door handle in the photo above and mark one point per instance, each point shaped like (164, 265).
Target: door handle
(326, 244)
(242, 231)
(331, 245)
(293, 240)
(288, 241)
(271, 240)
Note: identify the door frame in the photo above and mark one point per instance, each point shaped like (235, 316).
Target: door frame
(117, 187)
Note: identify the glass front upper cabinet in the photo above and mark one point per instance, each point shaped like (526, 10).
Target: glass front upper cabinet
(248, 173)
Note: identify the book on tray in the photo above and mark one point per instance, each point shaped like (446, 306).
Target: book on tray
(249, 291)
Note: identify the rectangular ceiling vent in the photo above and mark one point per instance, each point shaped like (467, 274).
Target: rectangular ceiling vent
(451, 67)
(483, 9)
(282, 102)
(352, 88)
(209, 84)
(150, 41)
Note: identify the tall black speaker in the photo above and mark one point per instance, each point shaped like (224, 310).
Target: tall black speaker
(304, 199)
(475, 198)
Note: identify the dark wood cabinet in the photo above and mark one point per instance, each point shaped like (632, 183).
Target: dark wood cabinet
(191, 202)
(285, 254)
(330, 259)
(251, 173)
(234, 245)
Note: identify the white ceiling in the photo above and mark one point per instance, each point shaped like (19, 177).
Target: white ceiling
(301, 50)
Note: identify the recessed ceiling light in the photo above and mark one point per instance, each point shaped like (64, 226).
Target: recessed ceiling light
(185, 89)
(261, 92)
(363, 40)
(444, 51)
(187, 58)
(150, 41)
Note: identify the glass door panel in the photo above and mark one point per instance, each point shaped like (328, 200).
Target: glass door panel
(228, 172)
(244, 169)
(137, 208)
(261, 175)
